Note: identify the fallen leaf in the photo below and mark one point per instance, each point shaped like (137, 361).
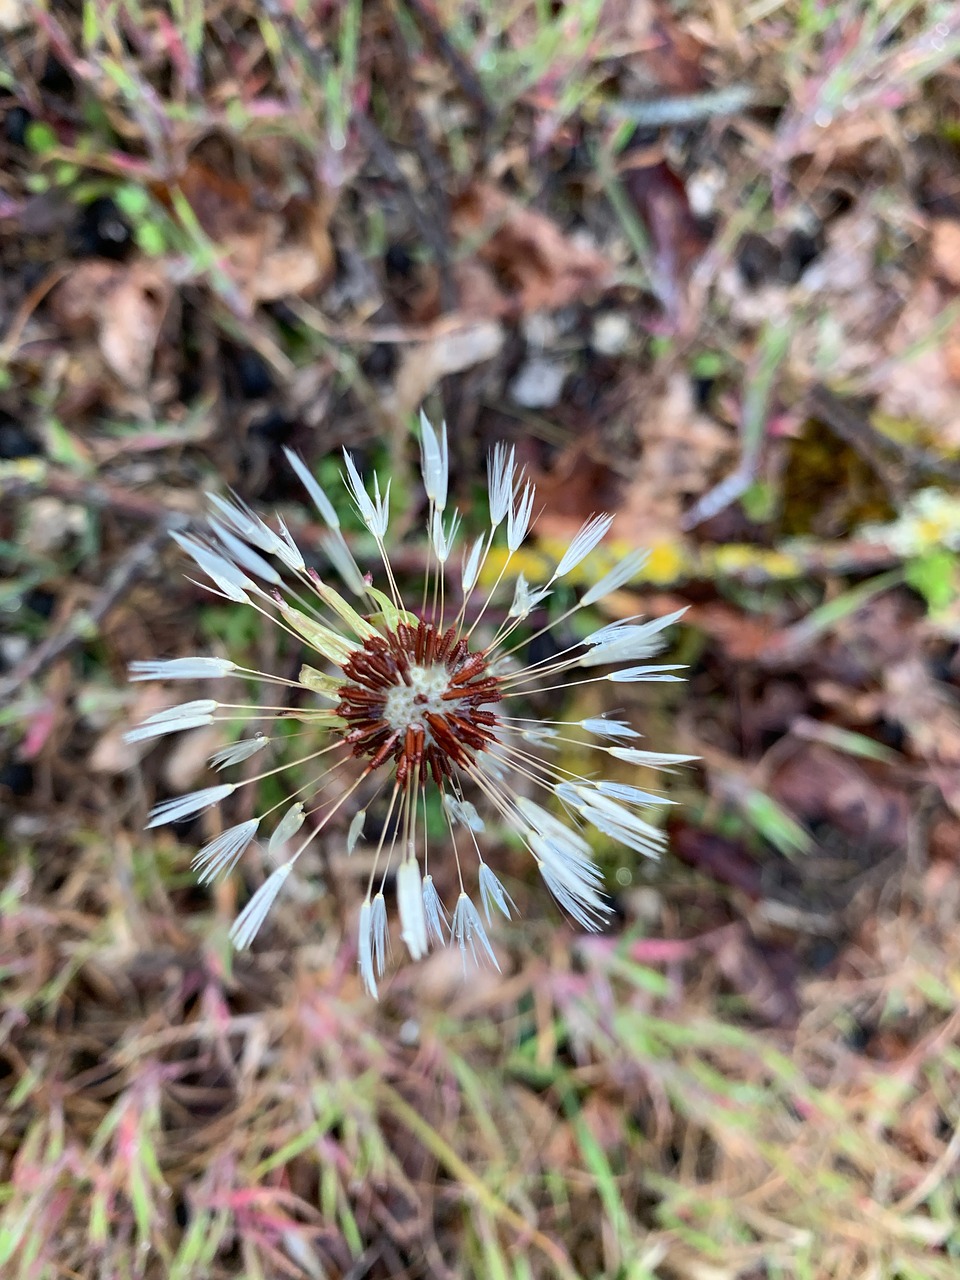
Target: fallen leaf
(818, 785)
(122, 305)
(945, 250)
(460, 344)
(931, 718)
(269, 253)
(919, 377)
(536, 265)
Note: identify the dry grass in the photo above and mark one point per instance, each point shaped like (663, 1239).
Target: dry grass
(755, 1075)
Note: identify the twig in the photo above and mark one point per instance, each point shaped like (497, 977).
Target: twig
(424, 218)
(468, 80)
(85, 622)
(852, 425)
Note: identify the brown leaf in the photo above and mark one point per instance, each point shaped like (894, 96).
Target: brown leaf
(660, 198)
(459, 344)
(269, 253)
(820, 785)
(123, 306)
(931, 718)
(536, 265)
(945, 250)
(722, 860)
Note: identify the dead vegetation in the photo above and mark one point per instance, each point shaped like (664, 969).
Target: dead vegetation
(701, 264)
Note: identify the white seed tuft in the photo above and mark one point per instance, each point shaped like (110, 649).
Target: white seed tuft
(189, 805)
(328, 512)
(587, 538)
(493, 894)
(181, 669)
(413, 920)
(501, 483)
(434, 461)
(469, 934)
(222, 854)
(239, 751)
(621, 573)
(250, 920)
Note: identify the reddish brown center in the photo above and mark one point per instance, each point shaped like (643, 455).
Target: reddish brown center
(418, 694)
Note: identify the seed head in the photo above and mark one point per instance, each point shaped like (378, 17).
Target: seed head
(412, 696)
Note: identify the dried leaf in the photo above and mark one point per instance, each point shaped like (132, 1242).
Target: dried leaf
(123, 306)
(537, 266)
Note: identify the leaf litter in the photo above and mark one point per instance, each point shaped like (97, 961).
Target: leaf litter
(589, 234)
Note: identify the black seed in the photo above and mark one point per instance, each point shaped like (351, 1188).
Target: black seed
(254, 378)
(101, 231)
(799, 250)
(15, 125)
(40, 601)
(17, 776)
(398, 262)
(757, 260)
(16, 441)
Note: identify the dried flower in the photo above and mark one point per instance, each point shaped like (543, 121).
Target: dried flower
(429, 697)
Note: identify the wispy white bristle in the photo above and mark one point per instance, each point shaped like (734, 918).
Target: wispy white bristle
(378, 929)
(631, 795)
(493, 894)
(469, 934)
(413, 920)
(604, 728)
(526, 597)
(587, 538)
(588, 915)
(443, 538)
(630, 675)
(244, 555)
(288, 551)
(471, 565)
(246, 523)
(464, 812)
(181, 669)
(628, 643)
(656, 759)
(375, 511)
(221, 855)
(188, 715)
(250, 920)
(501, 469)
(365, 948)
(328, 512)
(518, 517)
(189, 805)
(434, 913)
(239, 751)
(621, 573)
(434, 461)
(232, 581)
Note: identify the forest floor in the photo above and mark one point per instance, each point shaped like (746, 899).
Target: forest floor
(700, 264)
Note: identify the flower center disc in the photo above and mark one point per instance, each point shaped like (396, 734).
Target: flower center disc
(418, 695)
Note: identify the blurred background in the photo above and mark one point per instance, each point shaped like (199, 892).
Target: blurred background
(700, 263)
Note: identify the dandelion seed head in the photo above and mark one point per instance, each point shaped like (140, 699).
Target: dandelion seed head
(405, 694)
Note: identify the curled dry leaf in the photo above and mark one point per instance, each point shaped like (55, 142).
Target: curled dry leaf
(122, 306)
(819, 785)
(459, 344)
(945, 249)
(919, 379)
(269, 253)
(537, 265)
(931, 718)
